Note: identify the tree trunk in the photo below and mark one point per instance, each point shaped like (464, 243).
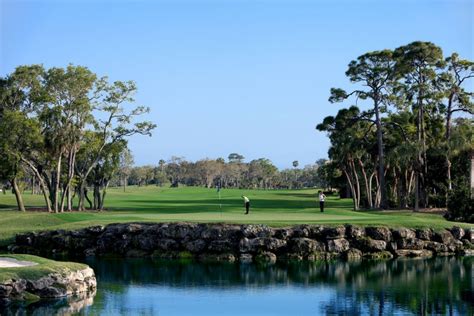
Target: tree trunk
(69, 199)
(417, 192)
(82, 186)
(356, 180)
(57, 180)
(374, 173)
(377, 193)
(19, 198)
(367, 187)
(82, 195)
(395, 190)
(353, 190)
(424, 169)
(448, 137)
(420, 138)
(41, 183)
(104, 192)
(72, 163)
(86, 197)
(381, 163)
(63, 198)
(33, 182)
(97, 197)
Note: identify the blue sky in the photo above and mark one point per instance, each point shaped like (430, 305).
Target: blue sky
(251, 77)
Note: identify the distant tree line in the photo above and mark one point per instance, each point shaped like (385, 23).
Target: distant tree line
(210, 173)
(407, 148)
(64, 130)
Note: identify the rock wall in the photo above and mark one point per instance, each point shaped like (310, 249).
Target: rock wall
(54, 285)
(247, 243)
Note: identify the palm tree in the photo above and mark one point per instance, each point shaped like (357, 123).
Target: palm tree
(295, 165)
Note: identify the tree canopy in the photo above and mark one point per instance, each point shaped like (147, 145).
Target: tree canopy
(399, 151)
(61, 124)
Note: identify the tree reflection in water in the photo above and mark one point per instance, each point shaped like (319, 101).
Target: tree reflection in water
(65, 306)
(433, 286)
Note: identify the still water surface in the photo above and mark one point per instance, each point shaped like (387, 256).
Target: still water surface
(145, 287)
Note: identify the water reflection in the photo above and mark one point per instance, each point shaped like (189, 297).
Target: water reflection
(65, 306)
(146, 287)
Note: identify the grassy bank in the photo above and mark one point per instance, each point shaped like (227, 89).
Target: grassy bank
(155, 204)
(43, 268)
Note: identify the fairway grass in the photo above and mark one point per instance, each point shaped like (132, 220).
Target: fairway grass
(193, 204)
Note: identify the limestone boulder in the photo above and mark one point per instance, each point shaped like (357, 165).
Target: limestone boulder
(25, 239)
(302, 231)
(283, 233)
(371, 245)
(316, 232)
(221, 246)
(306, 246)
(261, 244)
(469, 235)
(458, 232)
(424, 233)
(410, 243)
(54, 285)
(253, 231)
(166, 244)
(337, 245)
(403, 233)
(334, 232)
(354, 232)
(195, 246)
(179, 231)
(379, 233)
(435, 246)
(353, 254)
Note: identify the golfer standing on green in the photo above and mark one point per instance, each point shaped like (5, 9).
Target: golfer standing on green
(246, 204)
(322, 197)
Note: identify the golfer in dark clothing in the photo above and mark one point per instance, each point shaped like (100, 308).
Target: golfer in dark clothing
(321, 201)
(246, 204)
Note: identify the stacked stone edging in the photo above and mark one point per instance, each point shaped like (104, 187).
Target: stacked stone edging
(247, 243)
(53, 285)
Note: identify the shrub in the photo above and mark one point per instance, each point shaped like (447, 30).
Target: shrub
(460, 205)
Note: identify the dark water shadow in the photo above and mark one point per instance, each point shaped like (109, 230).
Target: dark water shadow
(63, 306)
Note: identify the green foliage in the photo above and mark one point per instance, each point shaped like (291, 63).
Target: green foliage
(460, 203)
(59, 124)
(235, 157)
(408, 152)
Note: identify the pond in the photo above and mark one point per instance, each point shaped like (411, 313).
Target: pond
(146, 287)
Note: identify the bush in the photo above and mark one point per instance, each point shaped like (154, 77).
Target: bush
(437, 200)
(460, 205)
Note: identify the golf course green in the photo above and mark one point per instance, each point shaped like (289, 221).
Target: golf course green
(196, 204)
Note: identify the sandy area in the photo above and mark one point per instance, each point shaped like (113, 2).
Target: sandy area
(13, 263)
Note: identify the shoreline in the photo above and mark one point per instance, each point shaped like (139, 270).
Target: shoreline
(246, 242)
